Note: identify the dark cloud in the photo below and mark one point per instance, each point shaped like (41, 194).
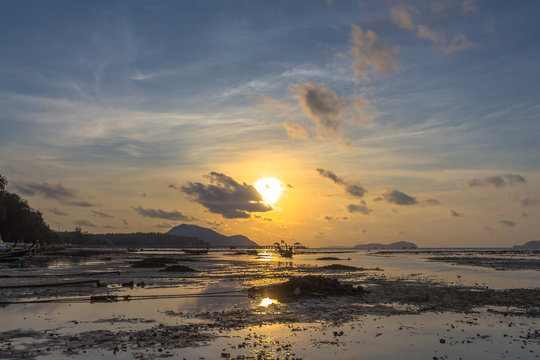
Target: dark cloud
(80, 203)
(84, 223)
(507, 223)
(431, 202)
(262, 218)
(362, 208)
(524, 215)
(326, 109)
(227, 197)
(109, 227)
(57, 192)
(351, 189)
(454, 213)
(58, 212)
(101, 214)
(398, 198)
(331, 218)
(172, 186)
(124, 221)
(495, 181)
(162, 214)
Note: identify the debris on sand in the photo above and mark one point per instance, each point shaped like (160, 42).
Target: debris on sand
(329, 258)
(178, 268)
(154, 262)
(306, 286)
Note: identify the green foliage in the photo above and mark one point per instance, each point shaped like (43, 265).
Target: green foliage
(18, 220)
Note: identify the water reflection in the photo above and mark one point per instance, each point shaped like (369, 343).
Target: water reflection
(267, 301)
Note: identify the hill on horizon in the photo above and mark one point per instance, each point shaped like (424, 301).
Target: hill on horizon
(535, 244)
(210, 236)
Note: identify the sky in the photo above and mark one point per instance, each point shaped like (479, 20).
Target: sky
(384, 120)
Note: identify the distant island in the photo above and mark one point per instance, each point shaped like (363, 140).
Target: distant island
(533, 245)
(392, 246)
(210, 236)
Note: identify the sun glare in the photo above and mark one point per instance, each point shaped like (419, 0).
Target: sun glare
(270, 189)
(267, 301)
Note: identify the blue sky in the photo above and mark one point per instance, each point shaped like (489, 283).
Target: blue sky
(114, 102)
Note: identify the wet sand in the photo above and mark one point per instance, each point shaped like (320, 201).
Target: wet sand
(162, 310)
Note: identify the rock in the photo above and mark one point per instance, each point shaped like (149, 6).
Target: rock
(178, 268)
(306, 286)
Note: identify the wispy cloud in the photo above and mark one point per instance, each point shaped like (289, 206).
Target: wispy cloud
(58, 212)
(401, 15)
(57, 192)
(163, 214)
(454, 213)
(361, 208)
(84, 223)
(369, 52)
(507, 223)
(101, 214)
(498, 181)
(524, 201)
(352, 189)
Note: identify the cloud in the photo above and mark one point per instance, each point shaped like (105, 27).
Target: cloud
(124, 221)
(58, 212)
(163, 225)
(507, 223)
(398, 198)
(172, 186)
(101, 214)
(269, 103)
(362, 208)
(454, 213)
(162, 214)
(262, 218)
(326, 109)
(469, 6)
(459, 42)
(84, 223)
(524, 201)
(355, 190)
(369, 52)
(403, 19)
(296, 131)
(331, 218)
(496, 181)
(226, 197)
(57, 192)
(109, 227)
(431, 202)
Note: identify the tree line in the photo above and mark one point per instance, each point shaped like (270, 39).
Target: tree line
(19, 221)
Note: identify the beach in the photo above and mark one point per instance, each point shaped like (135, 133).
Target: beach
(110, 303)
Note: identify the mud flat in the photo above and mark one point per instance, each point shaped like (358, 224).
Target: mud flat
(256, 309)
(496, 263)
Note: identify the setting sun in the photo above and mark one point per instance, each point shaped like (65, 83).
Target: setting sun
(270, 189)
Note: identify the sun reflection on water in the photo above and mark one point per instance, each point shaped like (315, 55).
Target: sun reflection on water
(267, 301)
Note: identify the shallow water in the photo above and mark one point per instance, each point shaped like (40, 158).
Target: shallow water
(446, 335)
